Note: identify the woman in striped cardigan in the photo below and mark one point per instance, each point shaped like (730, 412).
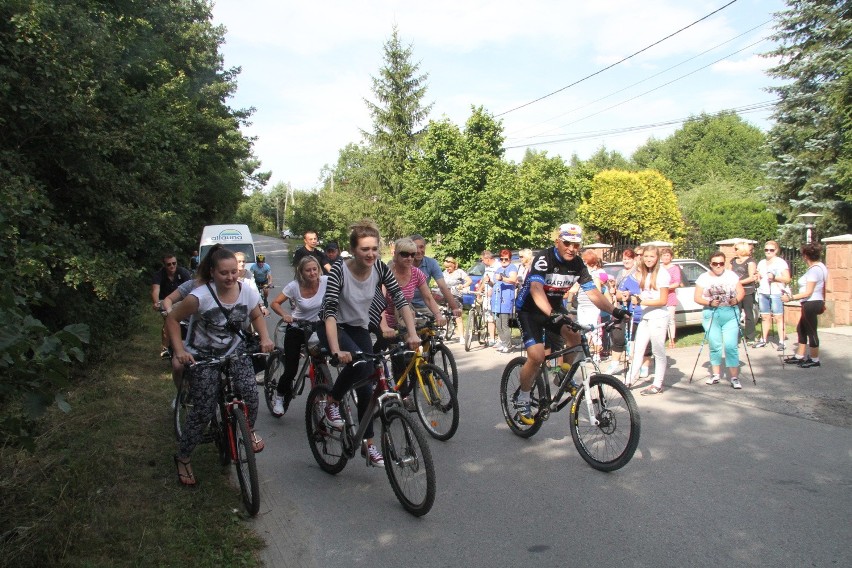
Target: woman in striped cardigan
(352, 303)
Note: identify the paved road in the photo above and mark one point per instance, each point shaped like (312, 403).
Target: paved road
(757, 477)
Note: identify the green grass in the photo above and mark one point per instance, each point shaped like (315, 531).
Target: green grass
(101, 489)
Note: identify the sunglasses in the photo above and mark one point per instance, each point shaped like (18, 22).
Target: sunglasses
(171, 264)
(405, 254)
(569, 244)
(768, 250)
(505, 259)
(717, 264)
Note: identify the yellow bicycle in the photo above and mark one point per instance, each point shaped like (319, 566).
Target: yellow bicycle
(434, 397)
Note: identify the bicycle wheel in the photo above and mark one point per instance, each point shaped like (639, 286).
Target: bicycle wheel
(322, 375)
(451, 327)
(609, 445)
(510, 386)
(326, 443)
(436, 403)
(245, 462)
(182, 406)
(468, 331)
(408, 461)
(220, 435)
(273, 373)
(441, 356)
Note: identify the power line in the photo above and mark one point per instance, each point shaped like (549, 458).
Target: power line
(666, 70)
(598, 72)
(694, 71)
(754, 107)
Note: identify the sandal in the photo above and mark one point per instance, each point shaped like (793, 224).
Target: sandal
(187, 479)
(257, 443)
(651, 390)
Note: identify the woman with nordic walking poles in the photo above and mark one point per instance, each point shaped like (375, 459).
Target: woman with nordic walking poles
(720, 292)
(653, 294)
(812, 295)
(774, 274)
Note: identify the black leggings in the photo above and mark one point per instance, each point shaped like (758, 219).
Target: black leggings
(294, 339)
(353, 339)
(807, 327)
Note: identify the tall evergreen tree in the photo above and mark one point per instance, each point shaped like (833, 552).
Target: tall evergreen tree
(397, 115)
(811, 133)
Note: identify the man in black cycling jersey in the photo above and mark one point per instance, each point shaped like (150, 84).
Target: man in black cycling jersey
(539, 304)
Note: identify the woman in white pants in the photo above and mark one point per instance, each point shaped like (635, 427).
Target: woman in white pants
(653, 293)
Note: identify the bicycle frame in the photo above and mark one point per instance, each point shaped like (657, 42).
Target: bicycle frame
(555, 403)
(381, 397)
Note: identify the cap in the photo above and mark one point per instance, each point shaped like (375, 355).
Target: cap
(332, 246)
(604, 277)
(260, 258)
(571, 233)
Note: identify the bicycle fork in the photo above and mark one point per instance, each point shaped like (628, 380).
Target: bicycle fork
(229, 421)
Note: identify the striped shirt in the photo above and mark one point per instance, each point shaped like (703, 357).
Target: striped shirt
(331, 300)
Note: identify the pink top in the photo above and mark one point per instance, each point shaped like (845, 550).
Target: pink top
(674, 279)
(417, 278)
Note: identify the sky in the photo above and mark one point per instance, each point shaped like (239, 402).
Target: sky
(307, 68)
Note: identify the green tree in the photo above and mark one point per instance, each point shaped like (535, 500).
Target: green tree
(730, 218)
(397, 115)
(810, 138)
(720, 146)
(636, 205)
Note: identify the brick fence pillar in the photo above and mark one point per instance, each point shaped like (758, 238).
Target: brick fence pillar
(838, 260)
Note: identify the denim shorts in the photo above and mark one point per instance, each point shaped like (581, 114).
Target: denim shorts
(770, 304)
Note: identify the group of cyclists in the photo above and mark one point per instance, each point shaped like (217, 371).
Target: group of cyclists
(360, 295)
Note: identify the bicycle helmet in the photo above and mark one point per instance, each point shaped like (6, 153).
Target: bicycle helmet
(260, 258)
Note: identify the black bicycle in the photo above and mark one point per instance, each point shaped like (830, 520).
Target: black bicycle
(476, 328)
(408, 460)
(313, 364)
(604, 421)
(434, 350)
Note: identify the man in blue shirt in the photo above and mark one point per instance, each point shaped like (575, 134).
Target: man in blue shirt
(262, 277)
(432, 270)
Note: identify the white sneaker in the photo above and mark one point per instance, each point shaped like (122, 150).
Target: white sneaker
(735, 382)
(278, 405)
(713, 380)
(613, 368)
(643, 372)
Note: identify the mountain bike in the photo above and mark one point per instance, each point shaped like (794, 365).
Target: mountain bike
(313, 364)
(230, 429)
(604, 419)
(408, 460)
(476, 327)
(448, 331)
(434, 349)
(433, 395)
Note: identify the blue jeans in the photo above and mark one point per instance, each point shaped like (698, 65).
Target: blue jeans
(723, 334)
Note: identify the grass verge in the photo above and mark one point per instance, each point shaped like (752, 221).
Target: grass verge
(101, 489)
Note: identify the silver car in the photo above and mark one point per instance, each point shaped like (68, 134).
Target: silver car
(687, 313)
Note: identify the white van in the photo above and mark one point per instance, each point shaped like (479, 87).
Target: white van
(234, 237)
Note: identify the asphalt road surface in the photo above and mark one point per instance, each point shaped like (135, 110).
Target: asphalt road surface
(757, 477)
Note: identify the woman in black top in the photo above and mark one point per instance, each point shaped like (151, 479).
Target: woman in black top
(744, 266)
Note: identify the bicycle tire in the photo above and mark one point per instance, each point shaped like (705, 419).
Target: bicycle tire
(245, 462)
(436, 403)
(220, 436)
(468, 331)
(510, 386)
(326, 443)
(451, 327)
(274, 372)
(607, 446)
(442, 357)
(408, 461)
(323, 375)
(182, 406)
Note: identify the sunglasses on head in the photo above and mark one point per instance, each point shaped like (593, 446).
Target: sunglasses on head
(406, 254)
(448, 260)
(768, 250)
(717, 264)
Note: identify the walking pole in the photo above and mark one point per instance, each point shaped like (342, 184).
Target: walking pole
(700, 349)
(628, 323)
(745, 347)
